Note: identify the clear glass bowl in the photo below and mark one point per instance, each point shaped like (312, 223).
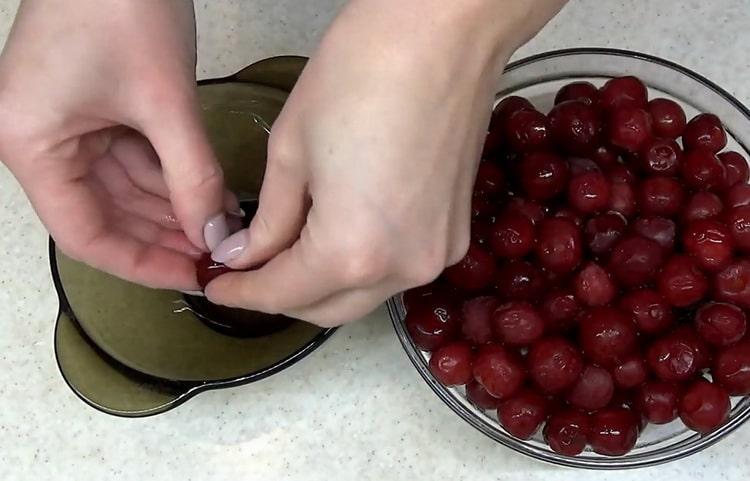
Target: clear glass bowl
(538, 78)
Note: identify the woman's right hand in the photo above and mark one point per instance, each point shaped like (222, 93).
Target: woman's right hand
(100, 123)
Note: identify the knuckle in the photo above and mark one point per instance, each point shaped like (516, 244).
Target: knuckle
(364, 260)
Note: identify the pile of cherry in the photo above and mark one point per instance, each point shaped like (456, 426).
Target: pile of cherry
(606, 283)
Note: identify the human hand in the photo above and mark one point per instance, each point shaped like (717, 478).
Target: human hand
(99, 122)
(372, 161)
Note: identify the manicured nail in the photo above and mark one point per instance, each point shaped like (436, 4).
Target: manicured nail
(194, 293)
(230, 248)
(239, 212)
(215, 231)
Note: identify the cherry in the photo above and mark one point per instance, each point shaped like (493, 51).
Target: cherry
(661, 157)
(517, 323)
(621, 173)
(605, 157)
(702, 169)
(594, 286)
(690, 337)
(582, 165)
(731, 369)
(507, 107)
(512, 236)
(207, 270)
(613, 431)
(650, 311)
(413, 298)
(559, 309)
(630, 373)
(733, 284)
(672, 359)
(523, 414)
(704, 406)
(738, 220)
(490, 179)
(451, 363)
(527, 208)
(477, 319)
(661, 196)
(481, 232)
(559, 246)
(603, 231)
(737, 196)
(681, 282)
(669, 118)
(659, 229)
(493, 143)
(554, 364)
(589, 192)
(543, 175)
(526, 130)
(575, 126)
(499, 371)
(710, 243)
(623, 92)
(657, 401)
(478, 396)
(481, 207)
(737, 169)
(584, 92)
(520, 281)
(569, 214)
(629, 128)
(432, 323)
(635, 260)
(702, 205)
(704, 131)
(593, 390)
(607, 335)
(622, 199)
(475, 271)
(566, 432)
(721, 324)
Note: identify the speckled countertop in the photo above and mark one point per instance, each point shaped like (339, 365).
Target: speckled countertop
(355, 409)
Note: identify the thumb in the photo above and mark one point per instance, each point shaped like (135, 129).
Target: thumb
(282, 207)
(193, 175)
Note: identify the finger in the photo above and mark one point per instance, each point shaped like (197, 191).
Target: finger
(153, 233)
(346, 306)
(282, 207)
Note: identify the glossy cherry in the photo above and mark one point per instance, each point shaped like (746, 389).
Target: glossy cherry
(629, 128)
(669, 118)
(475, 271)
(527, 130)
(575, 126)
(594, 286)
(554, 364)
(650, 311)
(523, 414)
(559, 309)
(657, 401)
(593, 389)
(543, 175)
(581, 91)
(507, 107)
(622, 199)
(451, 364)
(605, 157)
(613, 431)
(603, 231)
(620, 92)
(528, 208)
(733, 284)
(738, 220)
(478, 396)
(737, 196)
(566, 432)
(721, 324)
(681, 282)
(672, 359)
(490, 179)
(710, 243)
(659, 195)
(704, 406)
(731, 369)
(499, 371)
(517, 323)
(512, 236)
(635, 260)
(659, 229)
(702, 205)
(589, 192)
(704, 131)
(702, 169)
(607, 336)
(661, 156)
(207, 270)
(737, 168)
(476, 325)
(433, 322)
(520, 281)
(630, 373)
(559, 246)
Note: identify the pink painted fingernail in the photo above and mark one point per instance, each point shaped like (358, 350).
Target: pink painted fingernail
(215, 231)
(230, 248)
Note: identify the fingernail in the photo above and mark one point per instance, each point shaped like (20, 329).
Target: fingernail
(215, 231)
(238, 212)
(194, 293)
(230, 248)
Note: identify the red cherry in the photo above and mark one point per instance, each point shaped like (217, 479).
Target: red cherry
(589, 192)
(701, 169)
(630, 373)
(732, 369)
(432, 323)
(520, 281)
(559, 310)
(527, 130)
(559, 246)
(575, 127)
(594, 286)
(554, 364)
(669, 118)
(737, 196)
(478, 396)
(566, 432)
(622, 199)
(690, 337)
(635, 260)
(512, 236)
(613, 431)
(481, 207)
(569, 214)
(623, 92)
(702, 205)
(481, 232)
(607, 336)
(659, 229)
(582, 165)
(629, 128)
(657, 401)
(710, 243)
(621, 174)
(475, 271)
(499, 371)
(704, 406)
(413, 298)
(721, 324)
(650, 311)
(733, 284)
(523, 414)
(527, 208)
(661, 157)
(738, 220)
(584, 92)
(477, 319)
(661, 196)
(603, 231)
(451, 364)
(493, 143)
(681, 282)
(543, 175)
(605, 157)
(737, 168)
(704, 131)
(672, 359)
(517, 323)
(207, 270)
(490, 179)
(507, 107)
(593, 390)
